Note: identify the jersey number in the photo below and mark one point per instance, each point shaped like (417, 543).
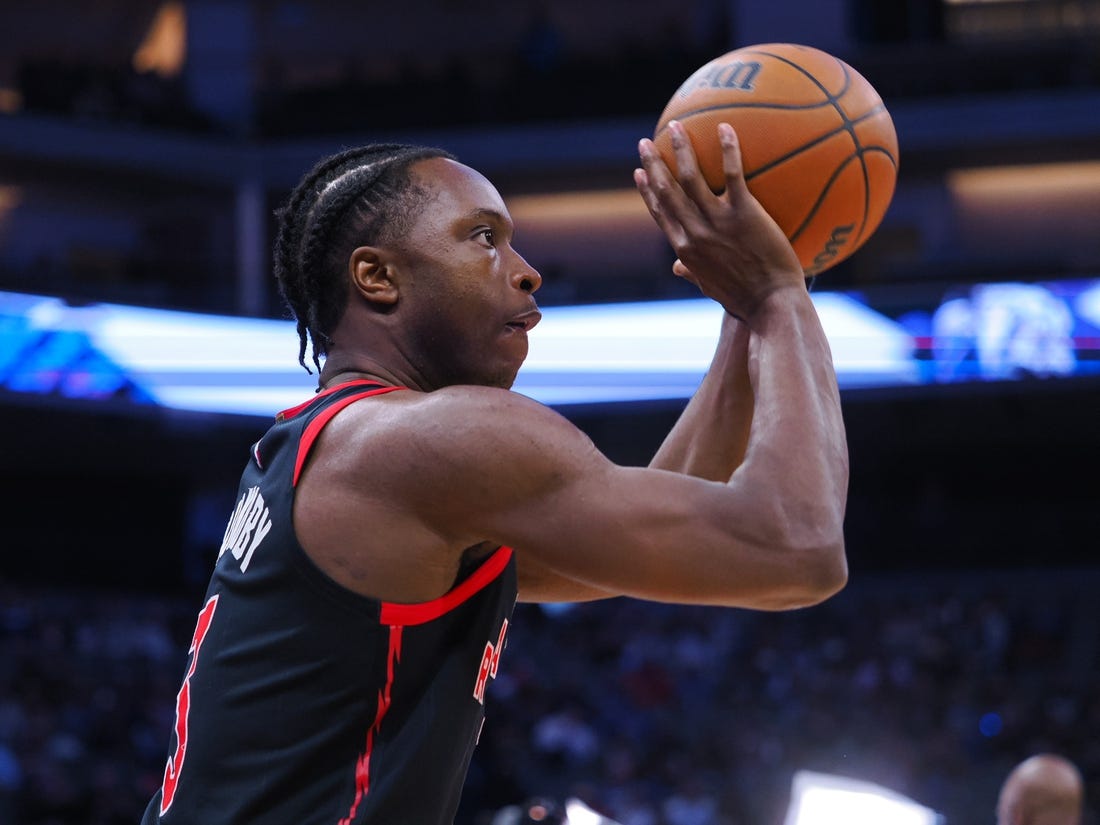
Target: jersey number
(183, 707)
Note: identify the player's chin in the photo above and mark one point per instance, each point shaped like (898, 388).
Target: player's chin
(505, 377)
(496, 362)
(515, 348)
(504, 373)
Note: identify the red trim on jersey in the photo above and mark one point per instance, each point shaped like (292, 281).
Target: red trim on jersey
(174, 768)
(318, 423)
(290, 412)
(362, 764)
(422, 612)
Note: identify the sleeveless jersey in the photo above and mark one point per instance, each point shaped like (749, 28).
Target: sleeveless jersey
(304, 703)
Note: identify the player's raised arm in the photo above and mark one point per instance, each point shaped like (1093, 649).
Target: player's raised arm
(735, 252)
(505, 469)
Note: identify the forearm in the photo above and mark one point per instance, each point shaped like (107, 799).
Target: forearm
(709, 439)
(796, 464)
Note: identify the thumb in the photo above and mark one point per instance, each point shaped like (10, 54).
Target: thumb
(681, 271)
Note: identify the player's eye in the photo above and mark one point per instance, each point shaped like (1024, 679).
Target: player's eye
(488, 235)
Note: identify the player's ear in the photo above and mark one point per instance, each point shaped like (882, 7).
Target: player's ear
(371, 275)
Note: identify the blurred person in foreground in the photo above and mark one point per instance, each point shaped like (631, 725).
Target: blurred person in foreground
(1045, 789)
(386, 527)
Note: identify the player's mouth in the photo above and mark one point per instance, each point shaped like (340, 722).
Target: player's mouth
(526, 321)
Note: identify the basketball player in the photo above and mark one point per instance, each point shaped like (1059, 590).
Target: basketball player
(358, 611)
(1045, 789)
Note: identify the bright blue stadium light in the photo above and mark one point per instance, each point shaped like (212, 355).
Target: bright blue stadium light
(605, 353)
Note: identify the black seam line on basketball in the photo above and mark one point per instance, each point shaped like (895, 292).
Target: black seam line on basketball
(847, 122)
(859, 239)
(789, 107)
(862, 153)
(842, 128)
(866, 200)
(832, 180)
(820, 198)
(828, 135)
(829, 96)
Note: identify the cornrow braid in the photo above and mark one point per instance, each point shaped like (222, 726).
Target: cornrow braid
(352, 198)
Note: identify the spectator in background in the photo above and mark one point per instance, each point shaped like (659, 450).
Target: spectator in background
(1045, 789)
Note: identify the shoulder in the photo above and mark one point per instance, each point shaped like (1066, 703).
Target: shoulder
(454, 459)
(470, 427)
(463, 408)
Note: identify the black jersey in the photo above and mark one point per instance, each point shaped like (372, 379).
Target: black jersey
(304, 703)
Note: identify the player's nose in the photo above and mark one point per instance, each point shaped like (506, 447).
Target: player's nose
(524, 276)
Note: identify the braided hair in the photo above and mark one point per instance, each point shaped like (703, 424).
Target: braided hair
(356, 197)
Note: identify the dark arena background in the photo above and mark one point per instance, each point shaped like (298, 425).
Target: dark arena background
(144, 146)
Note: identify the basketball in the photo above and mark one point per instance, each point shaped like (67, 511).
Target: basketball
(818, 147)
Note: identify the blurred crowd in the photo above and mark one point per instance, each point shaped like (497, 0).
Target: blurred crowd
(651, 714)
(542, 79)
(546, 77)
(87, 696)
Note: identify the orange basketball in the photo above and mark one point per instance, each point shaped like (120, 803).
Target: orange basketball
(818, 147)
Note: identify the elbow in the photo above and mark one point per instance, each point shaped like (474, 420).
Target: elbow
(816, 569)
(817, 548)
(814, 576)
(804, 531)
(829, 576)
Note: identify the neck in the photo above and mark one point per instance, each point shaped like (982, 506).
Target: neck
(340, 370)
(369, 345)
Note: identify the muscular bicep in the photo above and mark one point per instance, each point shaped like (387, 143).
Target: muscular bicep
(492, 466)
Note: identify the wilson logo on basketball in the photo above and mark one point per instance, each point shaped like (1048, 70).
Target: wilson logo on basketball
(737, 75)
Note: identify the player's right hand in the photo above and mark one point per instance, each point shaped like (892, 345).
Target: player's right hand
(726, 244)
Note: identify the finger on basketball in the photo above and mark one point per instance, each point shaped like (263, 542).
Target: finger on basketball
(660, 192)
(731, 156)
(687, 167)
